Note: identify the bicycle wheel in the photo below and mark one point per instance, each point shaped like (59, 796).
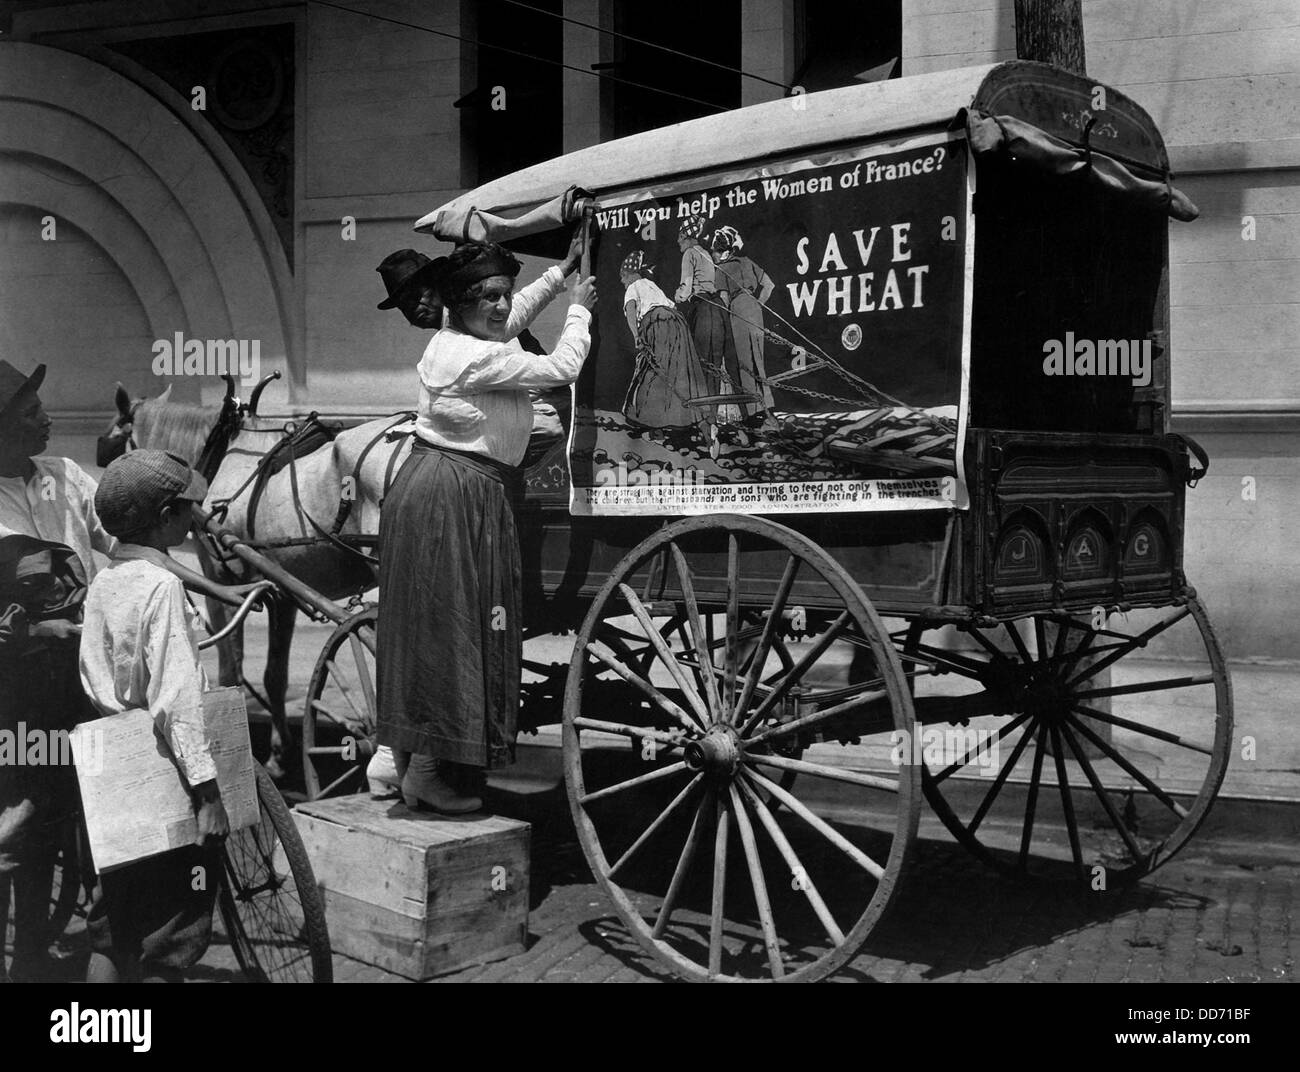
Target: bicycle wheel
(271, 906)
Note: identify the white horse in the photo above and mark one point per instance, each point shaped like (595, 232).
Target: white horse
(289, 517)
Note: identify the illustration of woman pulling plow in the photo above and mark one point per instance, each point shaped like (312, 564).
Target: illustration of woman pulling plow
(668, 372)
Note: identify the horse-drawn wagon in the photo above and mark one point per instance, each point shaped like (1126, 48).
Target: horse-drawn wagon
(936, 347)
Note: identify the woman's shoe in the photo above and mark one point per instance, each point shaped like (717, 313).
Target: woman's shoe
(383, 775)
(423, 785)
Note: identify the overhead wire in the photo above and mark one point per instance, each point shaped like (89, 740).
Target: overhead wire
(648, 44)
(516, 52)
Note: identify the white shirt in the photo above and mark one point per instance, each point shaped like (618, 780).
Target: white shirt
(57, 505)
(474, 393)
(641, 296)
(139, 651)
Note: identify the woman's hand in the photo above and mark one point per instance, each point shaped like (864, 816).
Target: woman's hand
(583, 292)
(574, 257)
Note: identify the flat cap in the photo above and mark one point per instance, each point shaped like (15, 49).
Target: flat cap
(138, 485)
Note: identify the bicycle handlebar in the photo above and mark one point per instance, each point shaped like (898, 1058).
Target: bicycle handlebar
(237, 619)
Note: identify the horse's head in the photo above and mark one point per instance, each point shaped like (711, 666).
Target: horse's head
(161, 424)
(118, 437)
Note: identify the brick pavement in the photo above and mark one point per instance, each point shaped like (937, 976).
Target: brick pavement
(1220, 912)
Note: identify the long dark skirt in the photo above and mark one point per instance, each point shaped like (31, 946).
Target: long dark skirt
(450, 635)
(668, 373)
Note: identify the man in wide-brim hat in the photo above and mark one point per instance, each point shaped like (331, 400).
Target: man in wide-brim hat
(407, 278)
(48, 535)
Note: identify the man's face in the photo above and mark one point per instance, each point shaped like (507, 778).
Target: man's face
(419, 304)
(26, 425)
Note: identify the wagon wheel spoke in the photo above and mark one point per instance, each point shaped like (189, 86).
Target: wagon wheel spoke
(980, 746)
(717, 915)
(759, 884)
(1140, 641)
(806, 722)
(1116, 821)
(793, 676)
(659, 821)
(759, 657)
(1018, 641)
(798, 872)
(1067, 802)
(1147, 686)
(660, 701)
(1031, 801)
(346, 692)
(1137, 727)
(817, 770)
(341, 780)
(633, 783)
(817, 823)
(666, 656)
(321, 708)
(683, 867)
(360, 657)
(668, 740)
(709, 682)
(731, 655)
(996, 654)
(1133, 771)
(1000, 780)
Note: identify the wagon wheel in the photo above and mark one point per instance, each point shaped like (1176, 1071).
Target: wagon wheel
(338, 724)
(708, 748)
(1130, 785)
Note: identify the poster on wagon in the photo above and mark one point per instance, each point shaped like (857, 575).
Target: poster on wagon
(790, 337)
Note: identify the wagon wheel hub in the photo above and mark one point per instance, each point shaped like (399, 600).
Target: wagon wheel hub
(1046, 696)
(717, 753)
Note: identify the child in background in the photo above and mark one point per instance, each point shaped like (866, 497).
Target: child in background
(138, 651)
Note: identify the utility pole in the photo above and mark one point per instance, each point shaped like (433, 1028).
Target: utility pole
(1051, 31)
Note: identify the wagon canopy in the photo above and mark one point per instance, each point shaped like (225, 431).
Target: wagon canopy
(1066, 124)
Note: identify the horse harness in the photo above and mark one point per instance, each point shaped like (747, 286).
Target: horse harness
(299, 441)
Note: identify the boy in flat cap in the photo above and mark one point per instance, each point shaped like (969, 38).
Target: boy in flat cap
(138, 651)
(48, 536)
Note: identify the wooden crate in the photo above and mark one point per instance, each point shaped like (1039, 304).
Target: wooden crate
(414, 893)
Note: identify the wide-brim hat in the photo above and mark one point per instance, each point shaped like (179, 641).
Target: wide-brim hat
(400, 270)
(13, 383)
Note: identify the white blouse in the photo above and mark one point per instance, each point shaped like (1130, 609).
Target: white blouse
(474, 393)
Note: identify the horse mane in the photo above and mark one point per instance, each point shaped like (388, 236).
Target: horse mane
(179, 427)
